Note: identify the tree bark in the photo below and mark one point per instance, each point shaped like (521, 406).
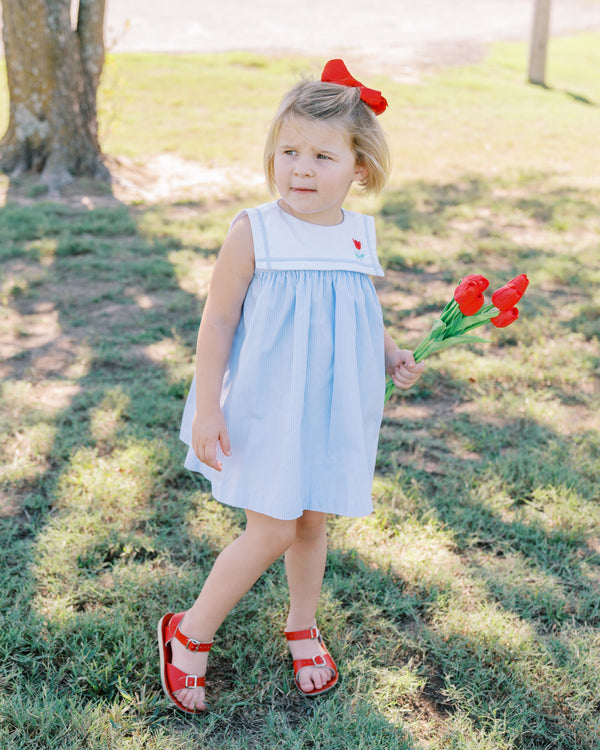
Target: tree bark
(53, 73)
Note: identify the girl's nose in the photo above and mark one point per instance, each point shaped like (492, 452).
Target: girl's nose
(303, 166)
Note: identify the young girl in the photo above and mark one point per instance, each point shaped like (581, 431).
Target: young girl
(284, 413)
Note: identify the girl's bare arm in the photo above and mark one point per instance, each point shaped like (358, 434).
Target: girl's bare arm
(231, 277)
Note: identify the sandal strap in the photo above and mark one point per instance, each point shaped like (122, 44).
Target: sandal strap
(321, 660)
(191, 644)
(178, 679)
(301, 635)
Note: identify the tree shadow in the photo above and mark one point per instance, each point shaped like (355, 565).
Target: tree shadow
(94, 314)
(572, 95)
(516, 495)
(581, 99)
(515, 591)
(433, 208)
(103, 530)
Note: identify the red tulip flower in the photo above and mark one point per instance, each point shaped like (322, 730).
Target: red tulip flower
(520, 282)
(505, 318)
(470, 300)
(505, 298)
(469, 293)
(477, 279)
(508, 295)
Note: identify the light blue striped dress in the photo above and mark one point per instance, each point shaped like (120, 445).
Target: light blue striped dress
(303, 390)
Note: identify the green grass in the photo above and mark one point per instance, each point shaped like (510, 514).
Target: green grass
(183, 96)
(464, 612)
(484, 117)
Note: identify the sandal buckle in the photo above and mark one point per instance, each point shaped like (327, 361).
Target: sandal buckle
(192, 681)
(192, 644)
(314, 633)
(319, 661)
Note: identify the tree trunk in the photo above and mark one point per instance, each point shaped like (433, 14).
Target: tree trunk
(53, 73)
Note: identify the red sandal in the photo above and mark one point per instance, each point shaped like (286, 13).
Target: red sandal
(322, 660)
(172, 678)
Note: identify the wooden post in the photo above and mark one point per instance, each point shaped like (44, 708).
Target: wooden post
(539, 42)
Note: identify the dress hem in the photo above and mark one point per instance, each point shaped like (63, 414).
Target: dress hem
(345, 514)
(257, 508)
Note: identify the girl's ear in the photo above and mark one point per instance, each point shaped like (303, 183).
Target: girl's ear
(360, 172)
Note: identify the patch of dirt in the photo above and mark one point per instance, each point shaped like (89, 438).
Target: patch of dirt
(169, 178)
(165, 178)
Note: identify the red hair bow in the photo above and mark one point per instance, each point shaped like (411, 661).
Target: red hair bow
(335, 71)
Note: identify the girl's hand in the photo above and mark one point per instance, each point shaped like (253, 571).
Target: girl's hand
(400, 365)
(208, 429)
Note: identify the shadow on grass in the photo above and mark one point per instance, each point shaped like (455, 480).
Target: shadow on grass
(474, 219)
(102, 528)
(571, 94)
(516, 494)
(520, 598)
(581, 99)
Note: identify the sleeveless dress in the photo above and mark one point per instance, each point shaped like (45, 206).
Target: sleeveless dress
(303, 390)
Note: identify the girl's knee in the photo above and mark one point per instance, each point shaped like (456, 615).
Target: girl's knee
(272, 533)
(311, 525)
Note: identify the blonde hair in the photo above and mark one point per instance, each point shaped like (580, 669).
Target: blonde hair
(340, 107)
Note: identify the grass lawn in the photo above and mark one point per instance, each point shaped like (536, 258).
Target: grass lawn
(464, 613)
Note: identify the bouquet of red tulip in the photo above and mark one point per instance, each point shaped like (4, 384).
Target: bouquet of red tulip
(467, 311)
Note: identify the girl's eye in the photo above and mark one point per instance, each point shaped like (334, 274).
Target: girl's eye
(322, 156)
(289, 152)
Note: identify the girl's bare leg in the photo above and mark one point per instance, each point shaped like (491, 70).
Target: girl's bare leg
(305, 566)
(235, 571)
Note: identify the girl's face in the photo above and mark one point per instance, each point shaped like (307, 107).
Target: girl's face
(314, 167)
